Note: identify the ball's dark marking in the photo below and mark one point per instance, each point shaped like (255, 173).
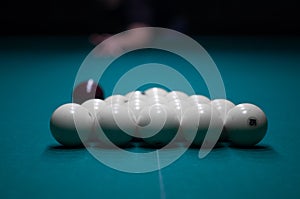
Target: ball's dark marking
(252, 121)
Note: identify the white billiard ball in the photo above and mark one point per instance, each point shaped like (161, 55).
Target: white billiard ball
(197, 99)
(116, 99)
(196, 122)
(155, 92)
(223, 106)
(135, 95)
(94, 106)
(156, 100)
(246, 125)
(179, 106)
(117, 125)
(136, 106)
(158, 125)
(71, 124)
(173, 95)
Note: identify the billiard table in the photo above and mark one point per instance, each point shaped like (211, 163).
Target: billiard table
(37, 75)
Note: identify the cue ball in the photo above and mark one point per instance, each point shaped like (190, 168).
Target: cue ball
(246, 125)
(87, 90)
(69, 119)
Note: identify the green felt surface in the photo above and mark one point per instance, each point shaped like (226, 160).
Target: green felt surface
(37, 75)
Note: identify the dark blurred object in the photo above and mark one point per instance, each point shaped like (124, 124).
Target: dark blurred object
(204, 17)
(133, 14)
(87, 90)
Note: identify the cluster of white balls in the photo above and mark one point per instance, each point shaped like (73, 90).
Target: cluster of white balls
(158, 117)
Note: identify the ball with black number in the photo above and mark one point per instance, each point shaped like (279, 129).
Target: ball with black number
(246, 125)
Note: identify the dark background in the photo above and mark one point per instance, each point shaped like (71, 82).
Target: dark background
(205, 17)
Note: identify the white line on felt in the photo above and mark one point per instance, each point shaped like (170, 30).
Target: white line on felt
(161, 182)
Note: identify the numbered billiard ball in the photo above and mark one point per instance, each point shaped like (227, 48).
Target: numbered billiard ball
(246, 125)
(87, 90)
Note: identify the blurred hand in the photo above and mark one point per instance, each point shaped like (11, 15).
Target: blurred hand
(96, 39)
(117, 44)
